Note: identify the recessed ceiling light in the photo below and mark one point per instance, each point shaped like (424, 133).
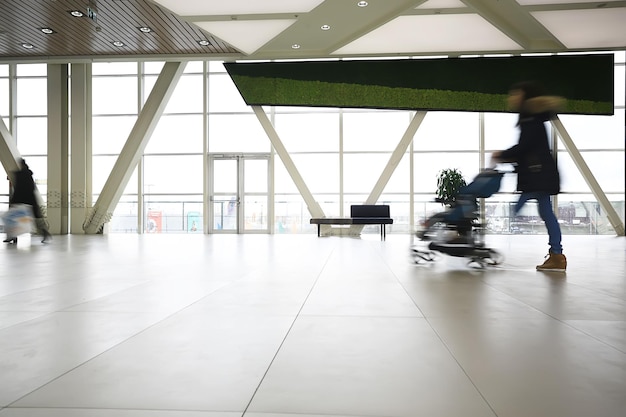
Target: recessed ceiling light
(325, 27)
(76, 13)
(119, 44)
(204, 42)
(145, 29)
(362, 4)
(28, 45)
(295, 46)
(47, 31)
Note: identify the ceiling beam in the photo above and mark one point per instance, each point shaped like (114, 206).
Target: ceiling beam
(516, 23)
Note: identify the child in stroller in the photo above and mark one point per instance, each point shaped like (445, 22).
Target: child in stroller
(456, 231)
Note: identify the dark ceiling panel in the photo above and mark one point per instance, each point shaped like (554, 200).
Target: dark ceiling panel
(116, 20)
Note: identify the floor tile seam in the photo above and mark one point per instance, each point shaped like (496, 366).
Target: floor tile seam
(399, 281)
(158, 410)
(510, 294)
(211, 292)
(127, 339)
(461, 367)
(48, 313)
(597, 339)
(317, 414)
(532, 307)
(288, 332)
(562, 321)
(242, 413)
(69, 281)
(362, 316)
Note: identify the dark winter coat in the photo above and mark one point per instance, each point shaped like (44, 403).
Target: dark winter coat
(536, 168)
(24, 190)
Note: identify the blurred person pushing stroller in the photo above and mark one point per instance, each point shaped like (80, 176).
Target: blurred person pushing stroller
(537, 173)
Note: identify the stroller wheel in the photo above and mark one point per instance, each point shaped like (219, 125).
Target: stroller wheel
(421, 256)
(476, 263)
(494, 257)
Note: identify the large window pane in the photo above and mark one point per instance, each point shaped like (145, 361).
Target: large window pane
(124, 218)
(501, 131)
(216, 66)
(255, 173)
(177, 134)
(102, 167)
(361, 171)
(148, 84)
(32, 96)
(319, 171)
(291, 214)
(620, 85)
(153, 67)
(428, 165)
(283, 184)
(224, 96)
(194, 67)
(4, 70)
(304, 109)
(114, 68)
(110, 133)
(29, 70)
(32, 135)
(606, 167)
(4, 96)
(114, 95)
(237, 133)
(173, 174)
(373, 131)
(329, 203)
(399, 181)
(595, 132)
(187, 96)
(173, 214)
(308, 132)
(448, 130)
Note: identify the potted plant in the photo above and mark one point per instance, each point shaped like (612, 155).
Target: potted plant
(449, 181)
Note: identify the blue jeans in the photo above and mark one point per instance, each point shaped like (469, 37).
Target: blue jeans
(546, 214)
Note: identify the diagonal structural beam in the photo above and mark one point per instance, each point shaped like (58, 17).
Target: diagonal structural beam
(8, 149)
(314, 208)
(394, 160)
(134, 147)
(613, 216)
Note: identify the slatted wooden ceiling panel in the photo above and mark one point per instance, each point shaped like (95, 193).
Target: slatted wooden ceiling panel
(117, 20)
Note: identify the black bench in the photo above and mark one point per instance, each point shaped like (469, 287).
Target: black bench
(360, 215)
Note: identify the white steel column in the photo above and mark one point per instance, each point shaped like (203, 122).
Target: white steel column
(591, 181)
(78, 148)
(57, 212)
(206, 192)
(314, 208)
(394, 160)
(134, 147)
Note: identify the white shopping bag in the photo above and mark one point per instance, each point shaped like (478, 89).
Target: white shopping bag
(18, 220)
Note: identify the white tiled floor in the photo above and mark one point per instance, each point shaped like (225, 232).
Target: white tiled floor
(286, 326)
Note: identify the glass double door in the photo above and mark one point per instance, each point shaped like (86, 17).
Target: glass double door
(239, 193)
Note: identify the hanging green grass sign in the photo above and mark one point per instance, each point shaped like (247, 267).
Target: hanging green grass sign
(450, 84)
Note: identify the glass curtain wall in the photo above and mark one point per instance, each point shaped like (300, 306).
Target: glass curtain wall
(340, 153)
(25, 115)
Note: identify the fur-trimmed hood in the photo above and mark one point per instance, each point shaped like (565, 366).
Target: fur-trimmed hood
(543, 104)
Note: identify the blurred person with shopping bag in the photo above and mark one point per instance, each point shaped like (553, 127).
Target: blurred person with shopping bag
(24, 193)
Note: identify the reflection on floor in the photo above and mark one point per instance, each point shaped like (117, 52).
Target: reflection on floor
(268, 326)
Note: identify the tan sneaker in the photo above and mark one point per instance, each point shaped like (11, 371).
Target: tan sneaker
(555, 262)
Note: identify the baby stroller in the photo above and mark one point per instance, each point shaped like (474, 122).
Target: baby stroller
(457, 231)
